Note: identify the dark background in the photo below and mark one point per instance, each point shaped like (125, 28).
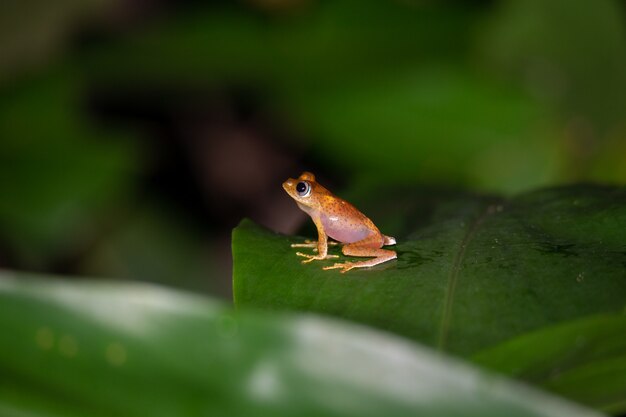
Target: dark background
(135, 134)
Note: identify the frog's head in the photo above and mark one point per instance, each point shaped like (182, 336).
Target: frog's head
(302, 189)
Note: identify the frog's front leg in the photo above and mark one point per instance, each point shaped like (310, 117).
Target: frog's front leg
(322, 245)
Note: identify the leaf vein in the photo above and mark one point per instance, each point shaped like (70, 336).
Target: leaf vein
(454, 276)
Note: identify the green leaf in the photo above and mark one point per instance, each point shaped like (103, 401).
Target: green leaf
(399, 127)
(119, 349)
(472, 272)
(583, 359)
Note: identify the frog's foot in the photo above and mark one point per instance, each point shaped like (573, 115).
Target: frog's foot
(345, 267)
(314, 257)
(311, 244)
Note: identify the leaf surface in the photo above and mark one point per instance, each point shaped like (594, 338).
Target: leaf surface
(584, 359)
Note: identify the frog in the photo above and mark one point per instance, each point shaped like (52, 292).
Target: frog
(339, 220)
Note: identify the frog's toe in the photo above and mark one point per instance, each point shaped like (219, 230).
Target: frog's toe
(308, 258)
(314, 257)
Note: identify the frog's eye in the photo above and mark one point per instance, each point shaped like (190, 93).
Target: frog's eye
(303, 188)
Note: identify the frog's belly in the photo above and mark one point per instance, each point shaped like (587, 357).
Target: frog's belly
(343, 231)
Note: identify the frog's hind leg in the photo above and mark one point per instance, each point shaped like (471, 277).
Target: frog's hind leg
(370, 246)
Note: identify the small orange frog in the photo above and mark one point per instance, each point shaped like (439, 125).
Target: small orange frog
(341, 221)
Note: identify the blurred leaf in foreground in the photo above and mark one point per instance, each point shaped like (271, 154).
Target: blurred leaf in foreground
(103, 349)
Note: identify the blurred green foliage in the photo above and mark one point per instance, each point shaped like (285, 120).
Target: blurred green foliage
(487, 97)
(503, 96)
(58, 175)
(123, 349)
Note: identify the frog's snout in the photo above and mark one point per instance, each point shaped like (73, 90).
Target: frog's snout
(289, 184)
